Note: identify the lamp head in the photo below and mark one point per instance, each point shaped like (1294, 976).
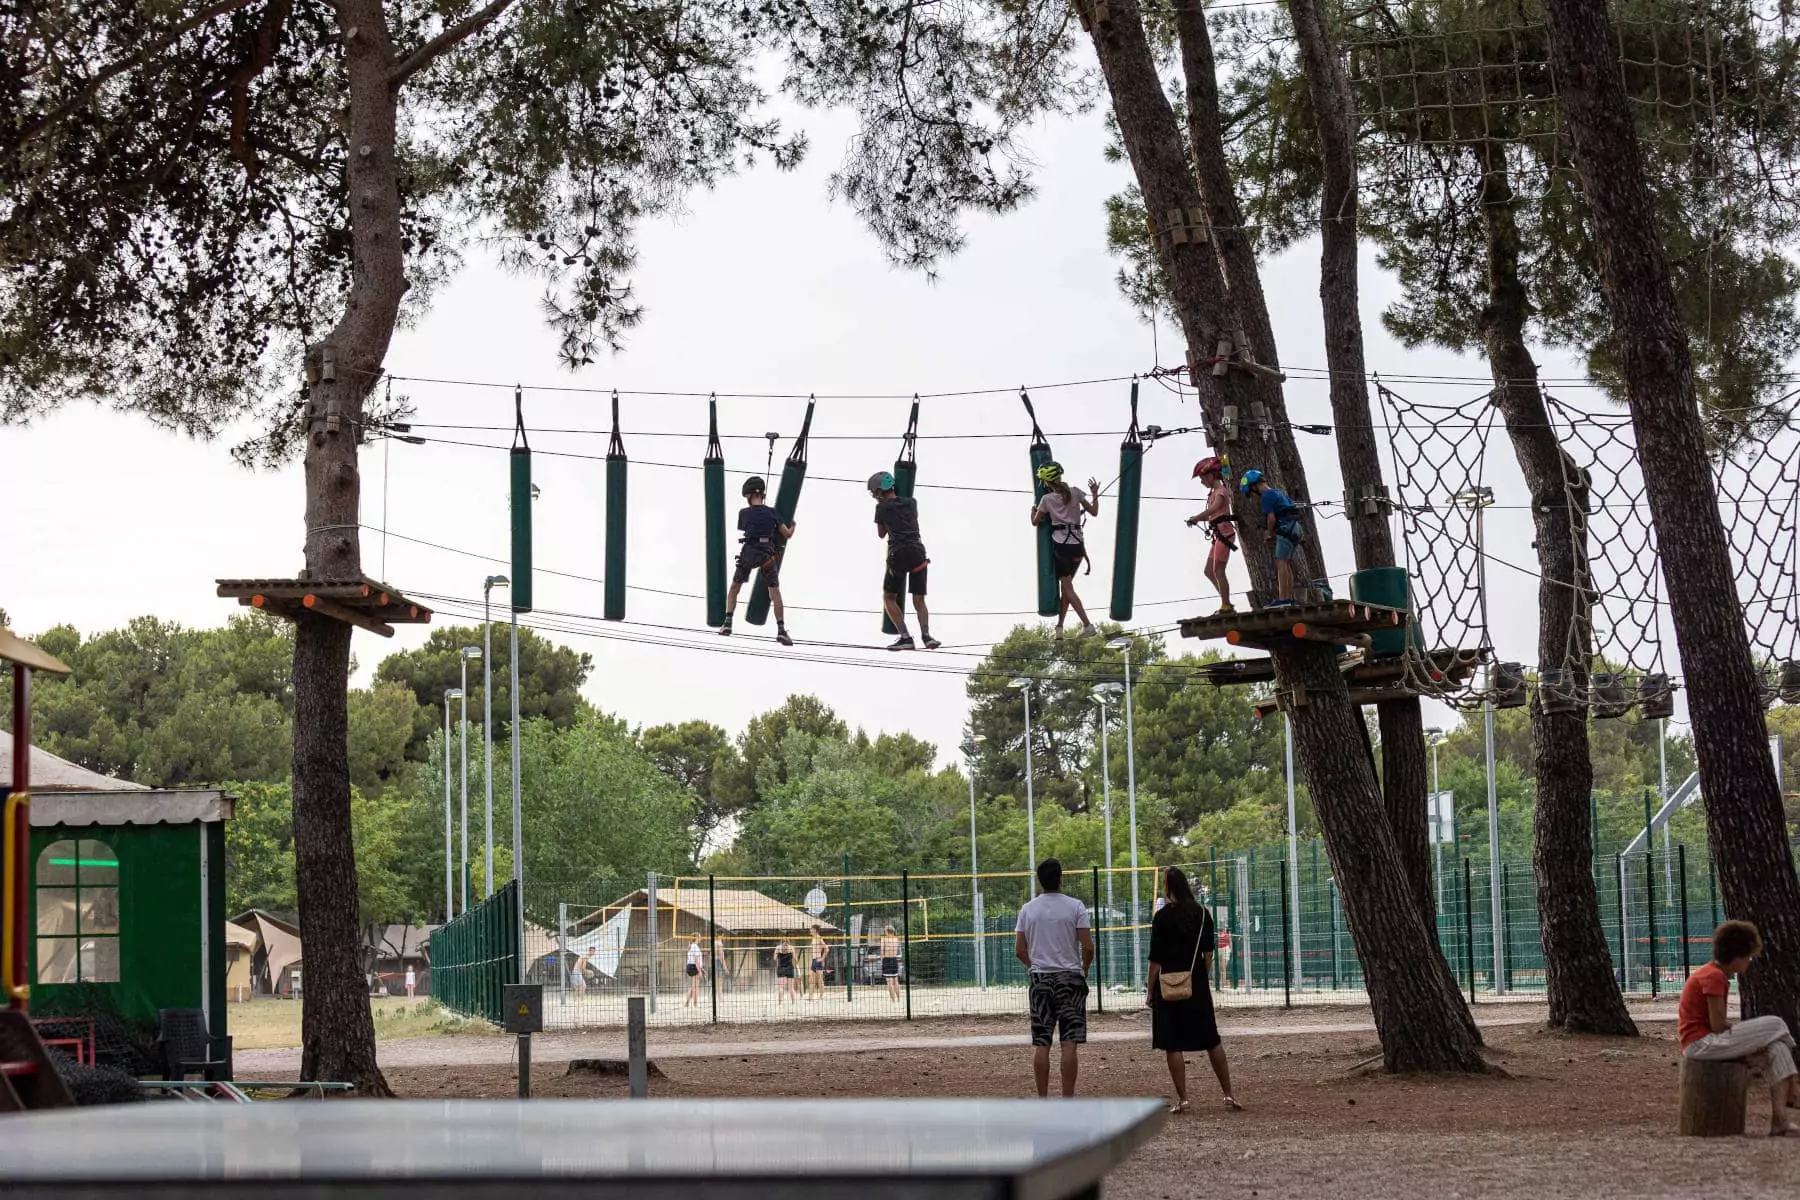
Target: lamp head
(471, 651)
(1020, 682)
(453, 693)
(1121, 642)
(494, 581)
(1102, 691)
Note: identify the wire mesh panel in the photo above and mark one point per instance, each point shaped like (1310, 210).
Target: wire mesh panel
(476, 955)
(890, 946)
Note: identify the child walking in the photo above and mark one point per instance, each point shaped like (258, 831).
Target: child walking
(765, 534)
(1282, 528)
(1065, 507)
(1220, 528)
(897, 520)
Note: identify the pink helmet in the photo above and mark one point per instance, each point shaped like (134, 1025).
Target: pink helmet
(1209, 463)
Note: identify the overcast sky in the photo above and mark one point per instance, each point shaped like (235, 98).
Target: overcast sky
(761, 286)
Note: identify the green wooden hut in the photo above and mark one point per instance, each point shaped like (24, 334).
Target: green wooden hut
(127, 893)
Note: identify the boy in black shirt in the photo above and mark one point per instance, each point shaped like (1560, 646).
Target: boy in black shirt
(764, 537)
(897, 520)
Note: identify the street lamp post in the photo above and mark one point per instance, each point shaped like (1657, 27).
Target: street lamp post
(449, 843)
(1024, 685)
(1293, 839)
(978, 927)
(1123, 642)
(1480, 499)
(487, 704)
(1435, 737)
(1103, 692)
(469, 652)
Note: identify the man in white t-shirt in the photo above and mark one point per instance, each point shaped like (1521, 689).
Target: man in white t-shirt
(1055, 941)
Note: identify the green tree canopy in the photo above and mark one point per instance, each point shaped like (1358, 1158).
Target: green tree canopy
(550, 680)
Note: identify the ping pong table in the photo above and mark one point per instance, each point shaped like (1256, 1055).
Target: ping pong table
(578, 1149)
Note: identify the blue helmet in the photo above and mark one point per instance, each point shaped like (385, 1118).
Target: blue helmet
(1252, 476)
(881, 482)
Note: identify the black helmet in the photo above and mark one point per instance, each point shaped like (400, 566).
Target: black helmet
(754, 486)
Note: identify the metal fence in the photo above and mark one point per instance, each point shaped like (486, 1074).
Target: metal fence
(477, 954)
(709, 949)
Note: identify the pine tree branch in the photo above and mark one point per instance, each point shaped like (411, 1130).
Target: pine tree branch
(130, 62)
(446, 40)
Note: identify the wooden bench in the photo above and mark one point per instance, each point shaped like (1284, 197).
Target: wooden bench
(1712, 1098)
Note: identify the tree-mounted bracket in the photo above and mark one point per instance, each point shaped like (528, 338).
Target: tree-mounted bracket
(1093, 14)
(1226, 357)
(1179, 229)
(364, 603)
(1368, 500)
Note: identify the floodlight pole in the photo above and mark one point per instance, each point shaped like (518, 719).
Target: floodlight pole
(1479, 498)
(1293, 839)
(1030, 802)
(462, 695)
(449, 840)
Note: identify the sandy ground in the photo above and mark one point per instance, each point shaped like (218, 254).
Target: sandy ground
(1574, 1117)
(475, 1043)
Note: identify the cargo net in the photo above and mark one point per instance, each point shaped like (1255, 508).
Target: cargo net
(1439, 454)
(1759, 497)
(1614, 655)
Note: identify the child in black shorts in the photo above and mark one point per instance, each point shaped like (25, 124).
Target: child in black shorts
(764, 537)
(897, 520)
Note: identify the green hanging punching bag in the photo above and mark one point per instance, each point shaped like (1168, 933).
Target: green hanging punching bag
(712, 468)
(1047, 590)
(787, 499)
(616, 466)
(906, 474)
(521, 508)
(1125, 540)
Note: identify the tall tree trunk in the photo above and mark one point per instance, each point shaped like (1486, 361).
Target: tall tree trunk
(1403, 776)
(1419, 1012)
(1745, 824)
(1584, 995)
(337, 1033)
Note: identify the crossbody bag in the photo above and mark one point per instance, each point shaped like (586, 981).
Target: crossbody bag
(1179, 985)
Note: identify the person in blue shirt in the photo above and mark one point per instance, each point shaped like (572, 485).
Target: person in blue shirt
(1282, 528)
(765, 535)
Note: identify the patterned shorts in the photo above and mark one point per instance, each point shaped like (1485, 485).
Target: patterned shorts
(1058, 1005)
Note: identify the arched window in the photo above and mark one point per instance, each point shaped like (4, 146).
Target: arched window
(78, 913)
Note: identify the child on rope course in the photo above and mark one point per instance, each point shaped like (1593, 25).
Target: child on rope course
(1283, 530)
(764, 536)
(1064, 507)
(897, 520)
(1221, 529)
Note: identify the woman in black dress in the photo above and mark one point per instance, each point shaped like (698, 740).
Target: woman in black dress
(1182, 938)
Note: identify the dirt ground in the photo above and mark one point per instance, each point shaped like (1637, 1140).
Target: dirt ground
(1575, 1117)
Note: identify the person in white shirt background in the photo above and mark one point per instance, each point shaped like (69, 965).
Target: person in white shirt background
(1055, 941)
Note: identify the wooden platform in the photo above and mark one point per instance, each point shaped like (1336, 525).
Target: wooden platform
(1369, 681)
(364, 603)
(1335, 622)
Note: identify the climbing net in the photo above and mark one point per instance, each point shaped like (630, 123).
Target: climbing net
(1440, 454)
(1759, 494)
(1614, 651)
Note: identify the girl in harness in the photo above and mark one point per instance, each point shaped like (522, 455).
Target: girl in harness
(1221, 530)
(1064, 507)
(1283, 530)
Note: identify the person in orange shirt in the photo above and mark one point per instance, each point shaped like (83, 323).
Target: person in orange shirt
(1762, 1042)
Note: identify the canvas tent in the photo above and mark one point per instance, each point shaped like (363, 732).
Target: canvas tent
(240, 948)
(275, 961)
